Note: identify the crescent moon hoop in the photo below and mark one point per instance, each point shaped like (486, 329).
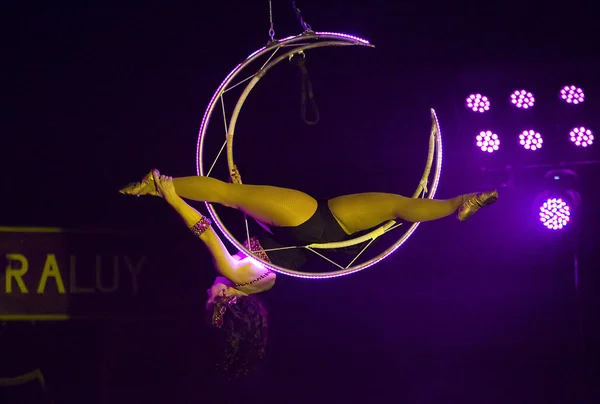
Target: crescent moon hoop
(276, 52)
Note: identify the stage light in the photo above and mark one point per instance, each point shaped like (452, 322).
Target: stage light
(557, 206)
(478, 103)
(531, 140)
(487, 141)
(555, 213)
(582, 137)
(572, 95)
(522, 99)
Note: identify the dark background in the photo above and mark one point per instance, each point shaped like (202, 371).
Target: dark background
(96, 95)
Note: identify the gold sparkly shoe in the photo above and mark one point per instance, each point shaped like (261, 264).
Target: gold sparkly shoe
(144, 187)
(476, 202)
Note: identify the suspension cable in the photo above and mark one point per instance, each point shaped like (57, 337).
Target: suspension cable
(271, 29)
(305, 26)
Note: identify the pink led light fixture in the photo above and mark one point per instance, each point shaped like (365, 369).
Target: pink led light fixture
(531, 140)
(487, 141)
(522, 99)
(555, 214)
(478, 103)
(572, 95)
(582, 137)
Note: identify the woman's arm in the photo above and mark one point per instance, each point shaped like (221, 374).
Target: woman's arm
(238, 272)
(225, 264)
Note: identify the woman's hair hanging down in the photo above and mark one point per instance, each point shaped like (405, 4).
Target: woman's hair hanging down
(242, 335)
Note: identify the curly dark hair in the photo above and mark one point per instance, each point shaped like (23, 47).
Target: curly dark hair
(242, 337)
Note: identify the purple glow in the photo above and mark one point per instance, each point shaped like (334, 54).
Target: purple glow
(555, 213)
(478, 103)
(487, 141)
(572, 95)
(346, 36)
(531, 140)
(522, 99)
(582, 137)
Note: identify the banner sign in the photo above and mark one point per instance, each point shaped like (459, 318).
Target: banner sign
(53, 274)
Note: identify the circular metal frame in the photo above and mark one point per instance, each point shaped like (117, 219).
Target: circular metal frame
(295, 45)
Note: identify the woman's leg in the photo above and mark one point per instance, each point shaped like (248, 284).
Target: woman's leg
(363, 211)
(270, 205)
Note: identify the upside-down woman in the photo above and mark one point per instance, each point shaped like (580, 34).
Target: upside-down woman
(289, 217)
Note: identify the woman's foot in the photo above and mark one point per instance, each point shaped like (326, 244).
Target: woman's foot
(475, 202)
(145, 187)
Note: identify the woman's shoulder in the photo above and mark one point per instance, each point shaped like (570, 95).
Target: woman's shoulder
(253, 276)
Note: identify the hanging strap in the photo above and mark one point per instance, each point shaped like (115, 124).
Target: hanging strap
(306, 90)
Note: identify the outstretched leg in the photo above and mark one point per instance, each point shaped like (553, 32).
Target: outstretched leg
(363, 211)
(270, 205)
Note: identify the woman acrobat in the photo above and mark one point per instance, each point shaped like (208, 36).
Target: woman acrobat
(290, 217)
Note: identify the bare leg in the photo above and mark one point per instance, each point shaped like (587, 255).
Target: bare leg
(270, 205)
(362, 211)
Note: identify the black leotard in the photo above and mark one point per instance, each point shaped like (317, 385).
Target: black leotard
(322, 227)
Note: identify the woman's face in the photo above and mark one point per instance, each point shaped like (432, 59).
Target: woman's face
(222, 287)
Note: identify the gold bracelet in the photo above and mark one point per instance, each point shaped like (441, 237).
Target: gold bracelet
(201, 226)
(257, 249)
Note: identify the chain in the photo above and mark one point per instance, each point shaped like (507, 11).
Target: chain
(271, 29)
(305, 25)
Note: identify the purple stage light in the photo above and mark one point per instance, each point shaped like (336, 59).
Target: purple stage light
(487, 141)
(582, 137)
(478, 103)
(531, 140)
(572, 95)
(522, 99)
(555, 213)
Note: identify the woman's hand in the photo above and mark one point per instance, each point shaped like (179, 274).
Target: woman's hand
(164, 185)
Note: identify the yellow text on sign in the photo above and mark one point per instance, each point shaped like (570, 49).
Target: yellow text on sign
(18, 266)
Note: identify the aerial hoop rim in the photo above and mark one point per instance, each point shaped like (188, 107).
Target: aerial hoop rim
(335, 40)
(348, 39)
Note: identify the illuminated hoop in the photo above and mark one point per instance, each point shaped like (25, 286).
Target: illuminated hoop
(291, 46)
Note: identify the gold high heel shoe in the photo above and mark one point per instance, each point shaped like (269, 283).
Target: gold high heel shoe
(476, 202)
(145, 187)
